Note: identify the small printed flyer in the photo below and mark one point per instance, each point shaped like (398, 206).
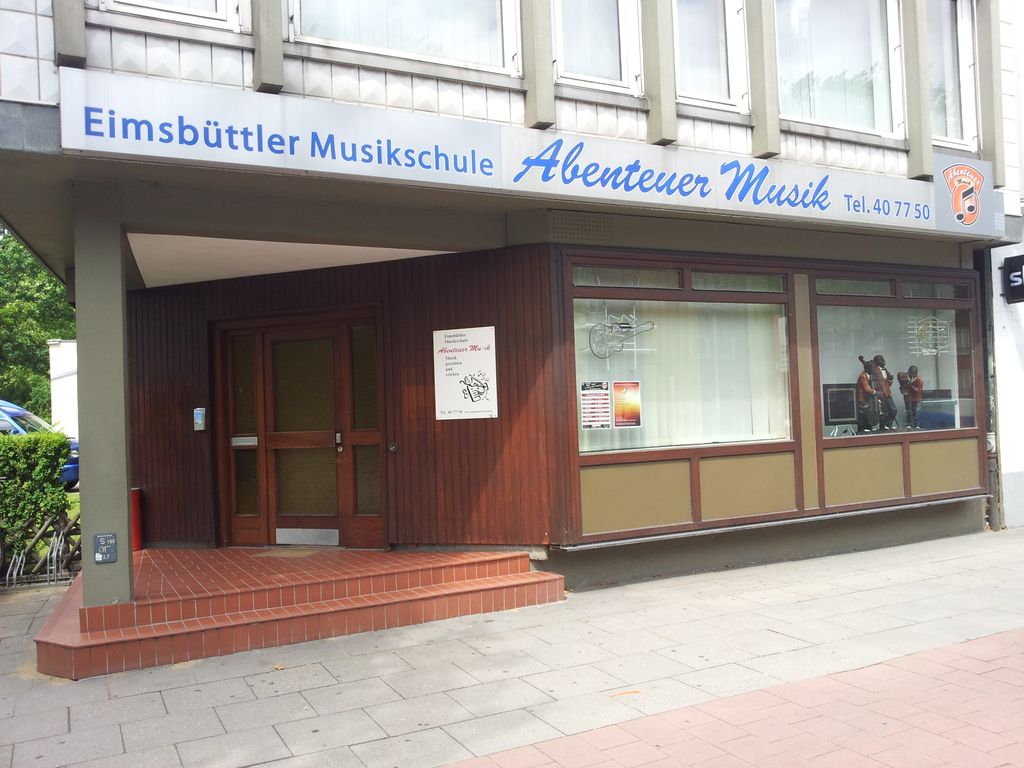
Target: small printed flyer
(465, 374)
(595, 405)
(627, 404)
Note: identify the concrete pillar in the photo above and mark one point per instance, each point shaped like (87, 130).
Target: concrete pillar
(69, 33)
(102, 389)
(919, 114)
(268, 37)
(538, 63)
(659, 70)
(764, 84)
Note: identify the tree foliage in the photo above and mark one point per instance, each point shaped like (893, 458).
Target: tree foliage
(33, 309)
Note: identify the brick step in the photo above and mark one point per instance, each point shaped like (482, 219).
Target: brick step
(118, 649)
(298, 592)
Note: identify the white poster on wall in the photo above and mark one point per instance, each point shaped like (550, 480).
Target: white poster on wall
(465, 374)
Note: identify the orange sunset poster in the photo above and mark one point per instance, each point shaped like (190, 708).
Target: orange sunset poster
(626, 395)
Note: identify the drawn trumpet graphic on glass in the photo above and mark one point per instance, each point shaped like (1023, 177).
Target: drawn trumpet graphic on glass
(610, 337)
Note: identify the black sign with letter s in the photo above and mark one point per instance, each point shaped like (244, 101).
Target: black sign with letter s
(1013, 279)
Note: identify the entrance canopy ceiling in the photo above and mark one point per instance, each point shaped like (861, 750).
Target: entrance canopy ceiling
(175, 259)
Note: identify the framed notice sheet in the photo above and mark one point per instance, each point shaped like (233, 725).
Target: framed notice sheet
(595, 405)
(465, 374)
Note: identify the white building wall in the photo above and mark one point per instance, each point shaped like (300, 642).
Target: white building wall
(64, 386)
(27, 71)
(1008, 319)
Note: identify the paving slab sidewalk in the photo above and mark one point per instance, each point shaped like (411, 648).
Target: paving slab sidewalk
(906, 656)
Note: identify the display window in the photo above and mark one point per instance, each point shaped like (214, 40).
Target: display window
(684, 370)
(597, 44)
(900, 368)
(477, 33)
(951, 72)
(711, 64)
(840, 63)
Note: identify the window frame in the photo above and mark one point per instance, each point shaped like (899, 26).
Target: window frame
(232, 16)
(898, 300)
(894, 41)
(967, 61)
(511, 42)
(735, 56)
(686, 264)
(630, 52)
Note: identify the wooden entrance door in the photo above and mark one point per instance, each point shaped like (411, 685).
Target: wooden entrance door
(302, 457)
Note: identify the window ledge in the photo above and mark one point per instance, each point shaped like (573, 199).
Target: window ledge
(601, 96)
(714, 114)
(955, 150)
(192, 31)
(843, 134)
(409, 66)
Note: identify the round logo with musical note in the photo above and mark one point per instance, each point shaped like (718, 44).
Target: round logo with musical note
(965, 183)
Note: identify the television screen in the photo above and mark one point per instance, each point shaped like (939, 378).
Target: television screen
(840, 404)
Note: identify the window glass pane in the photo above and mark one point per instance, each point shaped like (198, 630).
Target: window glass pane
(944, 70)
(303, 385)
(936, 291)
(917, 372)
(460, 30)
(367, 480)
(206, 6)
(246, 504)
(731, 281)
(834, 63)
(839, 286)
(364, 377)
(307, 482)
(702, 64)
(590, 38)
(658, 373)
(243, 386)
(624, 277)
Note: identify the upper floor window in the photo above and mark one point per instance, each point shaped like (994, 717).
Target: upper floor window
(839, 63)
(711, 62)
(481, 33)
(220, 13)
(951, 70)
(598, 43)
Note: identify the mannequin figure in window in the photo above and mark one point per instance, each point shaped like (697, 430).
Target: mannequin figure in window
(912, 387)
(867, 398)
(883, 387)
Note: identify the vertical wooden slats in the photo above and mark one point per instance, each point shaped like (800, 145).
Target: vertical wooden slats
(489, 481)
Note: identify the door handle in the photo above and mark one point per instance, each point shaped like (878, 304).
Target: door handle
(337, 442)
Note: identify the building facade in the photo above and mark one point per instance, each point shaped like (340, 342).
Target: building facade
(552, 274)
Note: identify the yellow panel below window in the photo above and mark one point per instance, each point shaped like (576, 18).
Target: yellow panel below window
(739, 486)
(866, 473)
(944, 466)
(628, 496)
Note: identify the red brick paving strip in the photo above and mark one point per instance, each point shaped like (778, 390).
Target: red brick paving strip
(960, 706)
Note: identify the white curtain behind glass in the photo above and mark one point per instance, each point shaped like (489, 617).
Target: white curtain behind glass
(459, 30)
(590, 39)
(708, 373)
(833, 62)
(701, 49)
(944, 70)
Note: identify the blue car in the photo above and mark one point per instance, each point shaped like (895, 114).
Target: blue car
(15, 420)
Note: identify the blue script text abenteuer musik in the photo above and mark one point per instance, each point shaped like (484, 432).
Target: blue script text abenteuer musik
(744, 181)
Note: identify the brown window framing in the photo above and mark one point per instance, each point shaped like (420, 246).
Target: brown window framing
(688, 263)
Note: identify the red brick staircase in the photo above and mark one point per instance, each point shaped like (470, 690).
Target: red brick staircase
(193, 604)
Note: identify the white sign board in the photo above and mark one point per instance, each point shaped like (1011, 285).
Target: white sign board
(131, 116)
(465, 374)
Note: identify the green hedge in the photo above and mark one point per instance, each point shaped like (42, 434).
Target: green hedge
(31, 490)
